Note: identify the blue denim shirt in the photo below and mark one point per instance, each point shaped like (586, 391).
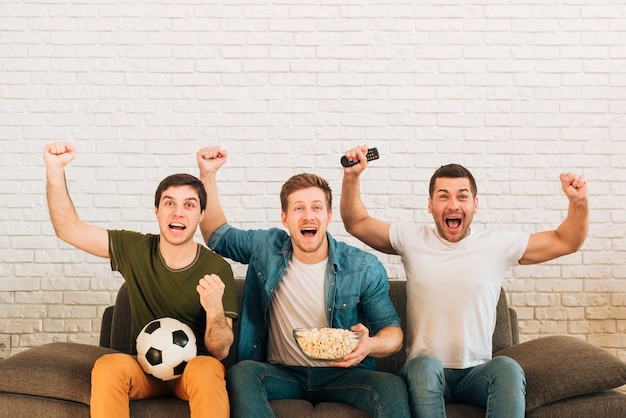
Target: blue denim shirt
(355, 285)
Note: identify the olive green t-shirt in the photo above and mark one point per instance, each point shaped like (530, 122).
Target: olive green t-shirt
(157, 291)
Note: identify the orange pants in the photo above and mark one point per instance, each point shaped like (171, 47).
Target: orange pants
(118, 378)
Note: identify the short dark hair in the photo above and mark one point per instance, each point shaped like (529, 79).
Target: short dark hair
(304, 181)
(181, 179)
(452, 171)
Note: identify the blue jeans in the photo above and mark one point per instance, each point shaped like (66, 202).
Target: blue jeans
(498, 385)
(251, 385)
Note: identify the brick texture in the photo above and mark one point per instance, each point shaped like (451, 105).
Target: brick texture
(518, 92)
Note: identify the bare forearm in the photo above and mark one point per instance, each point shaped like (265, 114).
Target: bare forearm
(357, 220)
(351, 206)
(218, 337)
(214, 216)
(566, 239)
(575, 227)
(65, 220)
(386, 342)
(62, 211)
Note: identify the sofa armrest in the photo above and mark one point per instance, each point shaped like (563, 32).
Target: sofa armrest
(503, 332)
(58, 370)
(514, 328)
(105, 327)
(560, 367)
(121, 322)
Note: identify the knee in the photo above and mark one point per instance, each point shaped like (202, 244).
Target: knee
(114, 370)
(422, 366)
(203, 373)
(241, 375)
(507, 371)
(203, 367)
(506, 364)
(424, 373)
(391, 383)
(241, 371)
(110, 364)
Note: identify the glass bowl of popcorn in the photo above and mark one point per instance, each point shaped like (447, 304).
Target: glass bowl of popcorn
(326, 343)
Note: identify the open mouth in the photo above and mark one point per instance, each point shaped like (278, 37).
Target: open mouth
(308, 232)
(453, 223)
(175, 226)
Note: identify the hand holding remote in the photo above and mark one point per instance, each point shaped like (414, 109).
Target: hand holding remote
(372, 154)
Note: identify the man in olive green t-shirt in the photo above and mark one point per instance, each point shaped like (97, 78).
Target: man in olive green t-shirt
(167, 275)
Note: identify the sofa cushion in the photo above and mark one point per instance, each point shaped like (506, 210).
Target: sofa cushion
(610, 403)
(55, 370)
(558, 367)
(15, 405)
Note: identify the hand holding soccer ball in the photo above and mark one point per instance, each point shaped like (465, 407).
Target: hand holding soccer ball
(164, 347)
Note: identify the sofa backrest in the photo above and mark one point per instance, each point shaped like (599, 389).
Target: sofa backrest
(118, 331)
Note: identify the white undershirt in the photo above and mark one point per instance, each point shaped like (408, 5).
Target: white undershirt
(298, 302)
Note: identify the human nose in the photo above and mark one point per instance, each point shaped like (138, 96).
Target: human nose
(178, 210)
(454, 204)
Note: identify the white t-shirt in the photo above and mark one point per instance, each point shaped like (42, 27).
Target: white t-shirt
(453, 290)
(298, 302)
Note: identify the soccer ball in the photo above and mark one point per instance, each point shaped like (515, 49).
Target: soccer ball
(164, 347)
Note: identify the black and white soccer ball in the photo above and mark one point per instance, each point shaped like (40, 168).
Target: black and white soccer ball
(164, 347)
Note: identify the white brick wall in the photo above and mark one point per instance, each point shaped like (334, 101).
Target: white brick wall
(517, 92)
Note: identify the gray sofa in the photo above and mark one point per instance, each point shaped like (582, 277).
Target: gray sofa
(566, 377)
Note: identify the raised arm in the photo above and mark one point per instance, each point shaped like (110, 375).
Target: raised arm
(210, 159)
(571, 234)
(67, 225)
(356, 220)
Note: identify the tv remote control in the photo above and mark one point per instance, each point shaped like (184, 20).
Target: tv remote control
(372, 154)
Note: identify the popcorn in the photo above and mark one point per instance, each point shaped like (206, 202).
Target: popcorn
(326, 343)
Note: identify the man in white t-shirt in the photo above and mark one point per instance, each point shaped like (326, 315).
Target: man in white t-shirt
(454, 275)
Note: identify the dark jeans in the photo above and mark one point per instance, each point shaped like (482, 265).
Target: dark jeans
(251, 385)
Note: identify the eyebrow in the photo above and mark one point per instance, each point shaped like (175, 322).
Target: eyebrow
(186, 199)
(464, 190)
(297, 202)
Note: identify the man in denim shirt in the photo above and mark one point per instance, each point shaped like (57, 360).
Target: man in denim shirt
(304, 278)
